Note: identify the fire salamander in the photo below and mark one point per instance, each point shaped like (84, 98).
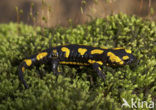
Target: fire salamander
(78, 55)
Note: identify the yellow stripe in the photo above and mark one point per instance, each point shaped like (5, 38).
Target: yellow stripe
(41, 55)
(73, 63)
(82, 51)
(93, 61)
(127, 51)
(96, 51)
(66, 50)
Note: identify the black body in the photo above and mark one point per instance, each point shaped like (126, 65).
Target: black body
(78, 55)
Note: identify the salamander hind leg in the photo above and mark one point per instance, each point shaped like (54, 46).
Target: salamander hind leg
(21, 69)
(98, 70)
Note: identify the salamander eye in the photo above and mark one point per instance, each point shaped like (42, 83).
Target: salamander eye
(125, 57)
(128, 59)
(129, 51)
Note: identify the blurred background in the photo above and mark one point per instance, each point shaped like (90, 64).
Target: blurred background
(50, 13)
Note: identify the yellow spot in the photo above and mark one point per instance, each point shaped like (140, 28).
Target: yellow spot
(99, 62)
(66, 50)
(96, 51)
(73, 63)
(93, 61)
(82, 51)
(114, 58)
(41, 55)
(54, 51)
(58, 69)
(23, 69)
(128, 51)
(99, 68)
(125, 57)
(28, 62)
(121, 63)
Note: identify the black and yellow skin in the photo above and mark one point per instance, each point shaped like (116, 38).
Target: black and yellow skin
(78, 55)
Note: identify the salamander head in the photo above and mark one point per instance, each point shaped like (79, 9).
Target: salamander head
(120, 57)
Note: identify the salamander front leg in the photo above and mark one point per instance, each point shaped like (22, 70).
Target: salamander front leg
(98, 70)
(55, 67)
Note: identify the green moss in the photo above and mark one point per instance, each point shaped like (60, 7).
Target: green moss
(84, 90)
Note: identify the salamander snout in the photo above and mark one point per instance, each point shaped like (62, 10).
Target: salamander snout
(129, 59)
